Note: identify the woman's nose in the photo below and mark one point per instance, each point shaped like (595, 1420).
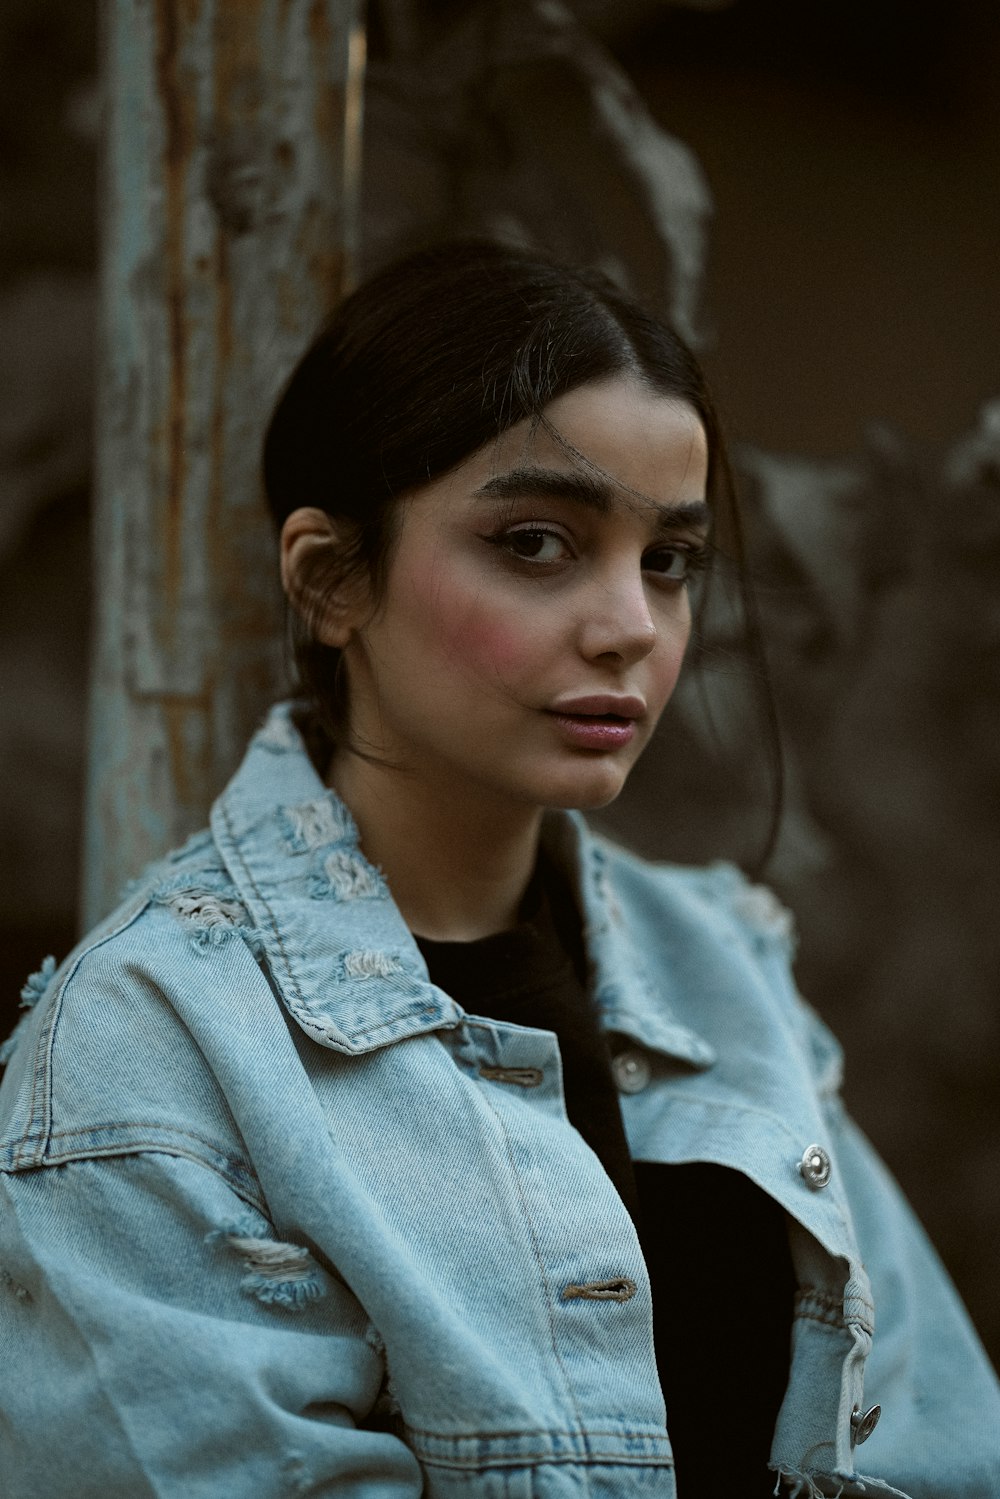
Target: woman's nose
(617, 621)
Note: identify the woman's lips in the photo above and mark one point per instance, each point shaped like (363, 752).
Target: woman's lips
(600, 705)
(595, 731)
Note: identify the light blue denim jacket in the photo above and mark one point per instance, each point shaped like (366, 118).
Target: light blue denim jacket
(278, 1217)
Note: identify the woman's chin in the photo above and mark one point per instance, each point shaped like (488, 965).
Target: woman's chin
(590, 788)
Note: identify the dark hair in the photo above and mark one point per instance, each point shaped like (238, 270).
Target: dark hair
(430, 360)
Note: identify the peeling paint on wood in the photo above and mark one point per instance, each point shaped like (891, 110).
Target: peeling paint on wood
(232, 141)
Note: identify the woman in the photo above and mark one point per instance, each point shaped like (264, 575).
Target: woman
(397, 1135)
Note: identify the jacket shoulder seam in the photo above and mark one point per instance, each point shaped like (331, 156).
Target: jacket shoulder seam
(39, 1105)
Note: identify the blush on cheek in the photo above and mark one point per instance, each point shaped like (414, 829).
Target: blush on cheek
(487, 642)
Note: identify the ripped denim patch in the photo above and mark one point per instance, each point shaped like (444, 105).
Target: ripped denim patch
(209, 908)
(277, 1274)
(347, 876)
(315, 823)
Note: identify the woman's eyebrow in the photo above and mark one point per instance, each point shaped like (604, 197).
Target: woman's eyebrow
(588, 490)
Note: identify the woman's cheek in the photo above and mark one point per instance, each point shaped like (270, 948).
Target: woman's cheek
(669, 662)
(492, 640)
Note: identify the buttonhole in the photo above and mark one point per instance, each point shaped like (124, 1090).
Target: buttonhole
(619, 1289)
(521, 1077)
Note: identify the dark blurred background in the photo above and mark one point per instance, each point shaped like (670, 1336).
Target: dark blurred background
(848, 312)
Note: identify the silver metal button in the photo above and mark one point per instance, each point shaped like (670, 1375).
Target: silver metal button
(815, 1167)
(863, 1425)
(631, 1071)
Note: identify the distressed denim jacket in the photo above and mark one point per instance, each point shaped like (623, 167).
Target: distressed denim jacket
(278, 1217)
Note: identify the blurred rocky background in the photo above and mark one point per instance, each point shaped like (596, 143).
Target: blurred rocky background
(810, 191)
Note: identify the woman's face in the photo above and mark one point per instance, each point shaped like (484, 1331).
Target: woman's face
(535, 613)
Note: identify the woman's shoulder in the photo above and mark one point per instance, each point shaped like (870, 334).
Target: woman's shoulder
(110, 1054)
(718, 894)
(716, 927)
(181, 908)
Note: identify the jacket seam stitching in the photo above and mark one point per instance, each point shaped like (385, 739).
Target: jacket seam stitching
(40, 1114)
(187, 1134)
(33, 1125)
(46, 1042)
(232, 1179)
(224, 808)
(532, 1431)
(591, 1459)
(544, 1277)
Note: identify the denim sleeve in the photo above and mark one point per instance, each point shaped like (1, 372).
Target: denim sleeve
(939, 1433)
(158, 1340)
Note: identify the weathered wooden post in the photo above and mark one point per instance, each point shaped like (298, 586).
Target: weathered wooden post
(232, 152)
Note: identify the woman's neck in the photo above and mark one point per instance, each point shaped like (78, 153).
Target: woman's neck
(457, 866)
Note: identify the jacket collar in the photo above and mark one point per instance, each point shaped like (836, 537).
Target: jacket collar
(338, 951)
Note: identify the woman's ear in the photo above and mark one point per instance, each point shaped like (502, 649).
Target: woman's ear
(328, 597)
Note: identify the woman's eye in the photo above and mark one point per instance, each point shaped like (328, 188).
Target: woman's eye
(672, 563)
(535, 545)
